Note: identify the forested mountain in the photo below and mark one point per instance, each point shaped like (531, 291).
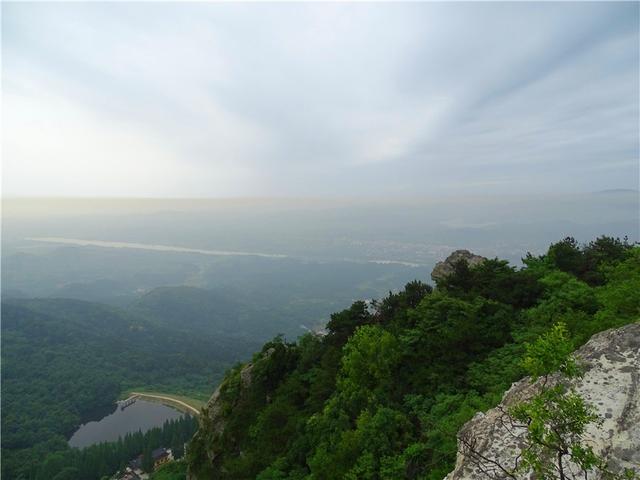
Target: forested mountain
(382, 395)
(64, 359)
(249, 297)
(191, 308)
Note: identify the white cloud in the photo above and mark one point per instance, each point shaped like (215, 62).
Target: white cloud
(52, 147)
(260, 99)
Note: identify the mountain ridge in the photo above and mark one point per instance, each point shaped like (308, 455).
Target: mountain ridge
(385, 391)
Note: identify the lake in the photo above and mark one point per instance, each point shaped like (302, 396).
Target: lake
(141, 415)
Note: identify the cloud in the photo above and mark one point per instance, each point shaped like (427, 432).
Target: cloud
(196, 99)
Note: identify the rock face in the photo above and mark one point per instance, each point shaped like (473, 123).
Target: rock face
(611, 384)
(214, 405)
(446, 268)
(213, 421)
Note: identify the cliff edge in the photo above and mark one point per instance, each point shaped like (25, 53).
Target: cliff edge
(611, 384)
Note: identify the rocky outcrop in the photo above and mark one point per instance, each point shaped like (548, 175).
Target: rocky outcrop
(213, 419)
(214, 407)
(611, 384)
(447, 267)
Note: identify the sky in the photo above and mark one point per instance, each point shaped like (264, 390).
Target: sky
(319, 99)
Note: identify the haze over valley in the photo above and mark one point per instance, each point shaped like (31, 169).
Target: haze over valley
(257, 268)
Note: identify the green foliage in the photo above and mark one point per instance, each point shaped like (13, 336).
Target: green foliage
(549, 428)
(620, 296)
(587, 262)
(550, 353)
(394, 307)
(439, 419)
(147, 460)
(170, 471)
(556, 418)
(495, 373)
(368, 360)
(64, 361)
(567, 256)
(496, 280)
(556, 421)
(384, 393)
(344, 323)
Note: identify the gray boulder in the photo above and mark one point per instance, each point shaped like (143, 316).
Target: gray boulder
(611, 384)
(446, 268)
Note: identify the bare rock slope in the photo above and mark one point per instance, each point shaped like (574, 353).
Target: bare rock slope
(611, 384)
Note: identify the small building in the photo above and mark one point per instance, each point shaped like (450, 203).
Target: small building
(135, 470)
(161, 456)
(136, 463)
(131, 474)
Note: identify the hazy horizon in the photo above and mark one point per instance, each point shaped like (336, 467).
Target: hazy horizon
(278, 225)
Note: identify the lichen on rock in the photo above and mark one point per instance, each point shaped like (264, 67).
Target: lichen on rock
(611, 384)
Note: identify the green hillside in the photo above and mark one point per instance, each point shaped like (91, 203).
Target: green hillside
(382, 395)
(63, 360)
(191, 309)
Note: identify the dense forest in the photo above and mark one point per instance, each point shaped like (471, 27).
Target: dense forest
(63, 360)
(383, 393)
(104, 459)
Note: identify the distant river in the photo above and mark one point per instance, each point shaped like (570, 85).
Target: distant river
(169, 248)
(149, 246)
(141, 415)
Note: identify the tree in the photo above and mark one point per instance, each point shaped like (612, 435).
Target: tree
(567, 256)
(368, 360)
(69, 473)
(619, 296)
(396, 304)
(344, 323)
(177, 447)
(147, 460)
(603, 251)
